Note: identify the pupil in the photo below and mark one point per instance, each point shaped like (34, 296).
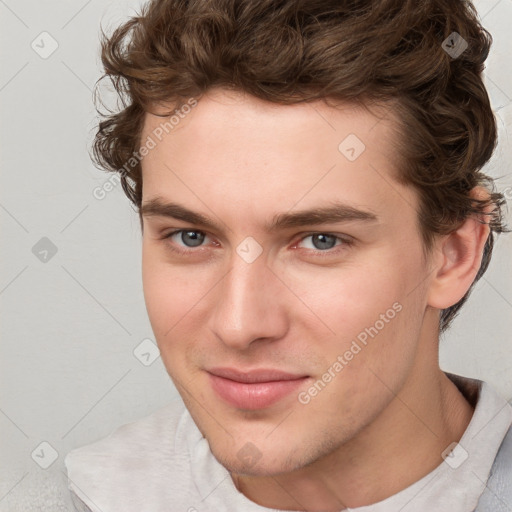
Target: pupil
(195, 238)
(324, 241)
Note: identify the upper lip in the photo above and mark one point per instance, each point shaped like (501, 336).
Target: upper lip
(257, 375)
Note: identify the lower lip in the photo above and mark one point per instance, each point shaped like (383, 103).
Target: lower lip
(256, 395)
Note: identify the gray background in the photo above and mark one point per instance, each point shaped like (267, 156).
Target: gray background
(71, 321)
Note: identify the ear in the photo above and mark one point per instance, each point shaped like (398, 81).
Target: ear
(458, 256)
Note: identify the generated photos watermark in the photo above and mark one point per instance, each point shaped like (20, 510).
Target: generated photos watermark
(150, 143)
(304, 397)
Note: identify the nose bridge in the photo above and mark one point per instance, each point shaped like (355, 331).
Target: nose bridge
(247, 303)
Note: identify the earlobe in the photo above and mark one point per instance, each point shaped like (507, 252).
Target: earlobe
(458, 258)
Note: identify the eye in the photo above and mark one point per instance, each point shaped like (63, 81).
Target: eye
(324, 243)
(190, 238)
(190, 241)
(184, 241)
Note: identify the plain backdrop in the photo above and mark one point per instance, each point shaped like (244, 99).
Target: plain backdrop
(72, 308)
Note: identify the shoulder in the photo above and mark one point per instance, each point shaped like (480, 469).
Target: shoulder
(498, 488)
(133, 439)
(134, 458)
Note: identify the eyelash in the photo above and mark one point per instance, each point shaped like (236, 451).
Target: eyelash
(345, 243)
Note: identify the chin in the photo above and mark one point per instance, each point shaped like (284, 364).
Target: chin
(260, 469)
(269, 461)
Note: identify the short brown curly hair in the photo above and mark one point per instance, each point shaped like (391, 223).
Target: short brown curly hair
(290, 51)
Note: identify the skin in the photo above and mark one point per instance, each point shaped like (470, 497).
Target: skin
(297, 307)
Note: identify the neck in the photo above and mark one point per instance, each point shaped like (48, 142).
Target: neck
(407, 439)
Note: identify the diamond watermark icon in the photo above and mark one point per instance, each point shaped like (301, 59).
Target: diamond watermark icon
(146, 352)
(44, 455)
(351, 147)
(454, 45)
(249, 249)
(454, 455)
(44, 250)
(44, 45)
(249, 454)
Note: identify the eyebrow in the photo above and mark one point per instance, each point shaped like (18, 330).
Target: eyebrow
(335, 212)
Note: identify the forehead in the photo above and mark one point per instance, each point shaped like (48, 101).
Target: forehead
(232, 149)
(231, 117)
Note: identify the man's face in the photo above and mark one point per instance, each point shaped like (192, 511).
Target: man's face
(337, 304)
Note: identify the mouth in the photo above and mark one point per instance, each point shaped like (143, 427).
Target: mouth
(254, 389)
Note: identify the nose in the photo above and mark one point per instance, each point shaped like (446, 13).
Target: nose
(248, 305)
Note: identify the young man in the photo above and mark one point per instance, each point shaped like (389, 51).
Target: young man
(314, 215)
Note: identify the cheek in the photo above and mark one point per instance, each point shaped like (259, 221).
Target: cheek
(167, 291)
(365, 311)
(347, 299)
(176, 297)
(168, 299)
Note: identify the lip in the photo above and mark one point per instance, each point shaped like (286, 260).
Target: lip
(254, 389)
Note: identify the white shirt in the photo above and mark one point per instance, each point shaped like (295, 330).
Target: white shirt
(162, 463)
